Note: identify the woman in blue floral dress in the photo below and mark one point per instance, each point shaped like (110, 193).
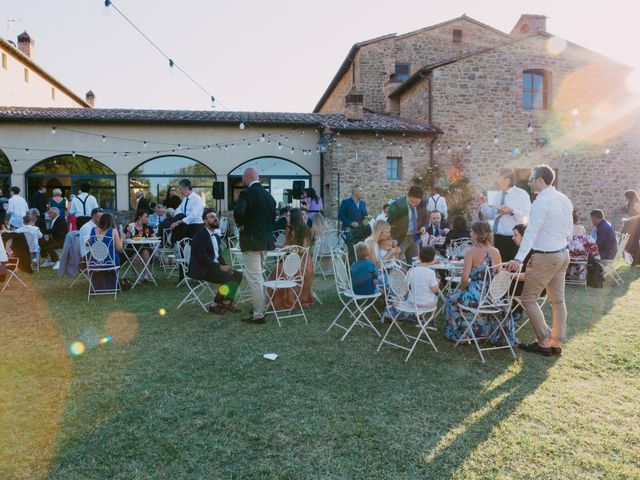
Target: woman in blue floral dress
(477, 259)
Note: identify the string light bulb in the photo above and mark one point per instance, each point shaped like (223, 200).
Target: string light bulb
(144, 144)
(495, 140)
(241, 126)
(530, 128)
(262, 139)
(104, 138)
(53, 130)
(468, 146)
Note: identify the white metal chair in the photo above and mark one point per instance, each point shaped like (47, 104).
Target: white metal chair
(181, 261)
(355, 305)
(101, 259)
(12, 265)
(196, 289)
(223, 226)
(610, 267)
(459, 246)
(577, 272)
(243, 294)
(290, 270)
(166, 254)
(324, 246)
(496, 299)
(279, 238)
(400, 298)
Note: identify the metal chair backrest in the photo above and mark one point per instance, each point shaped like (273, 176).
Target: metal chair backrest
(342, 276)
(396, 286)
(329, 241)
(166, 237)
(293, 265)
(496, 289)
(182, 244)
(279, 237)
(224, 226)
(460, 246)
(101, 255)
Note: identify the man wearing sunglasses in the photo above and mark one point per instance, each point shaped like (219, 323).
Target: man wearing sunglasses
(550, 224)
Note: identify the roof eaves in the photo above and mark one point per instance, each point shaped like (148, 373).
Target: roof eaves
(35, 67)
(345, 67)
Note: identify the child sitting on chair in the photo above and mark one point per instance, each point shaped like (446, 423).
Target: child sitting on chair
(364, 275)
(423, 281)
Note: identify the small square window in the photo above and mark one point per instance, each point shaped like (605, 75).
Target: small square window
(402, 72)
(457, 36)
(394, 168)
(53, 93)
(4, 61)
(26, 75)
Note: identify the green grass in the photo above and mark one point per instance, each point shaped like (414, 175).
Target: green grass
(188, 395)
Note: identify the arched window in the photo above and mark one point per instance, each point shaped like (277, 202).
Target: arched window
(155, 176)
(276, 174)
(68, 172)
(535, 89)
(5, 173)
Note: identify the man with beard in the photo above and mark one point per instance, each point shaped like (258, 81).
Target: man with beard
(206, 263)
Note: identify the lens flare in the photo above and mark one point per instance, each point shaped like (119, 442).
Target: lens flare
(104, 340)
(556, 45)
(223, 290)
(516, 152)
(632, 81)
(77, 348)
(162, 312)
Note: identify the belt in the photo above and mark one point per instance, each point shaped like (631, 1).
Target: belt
(554, 251)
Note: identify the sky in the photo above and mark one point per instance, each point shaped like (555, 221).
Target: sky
(263, 55)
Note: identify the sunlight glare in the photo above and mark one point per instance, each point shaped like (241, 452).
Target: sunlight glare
(556, 45)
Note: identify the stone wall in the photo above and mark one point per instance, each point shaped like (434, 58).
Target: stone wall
(335, 103)
(480, 97)
(362, 159)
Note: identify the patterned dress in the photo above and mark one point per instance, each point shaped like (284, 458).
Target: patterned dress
(456, 326)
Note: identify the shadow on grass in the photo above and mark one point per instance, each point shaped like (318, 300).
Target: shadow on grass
(191, 397)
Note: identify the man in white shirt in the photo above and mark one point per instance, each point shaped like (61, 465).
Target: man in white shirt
(550, 224)
(85, 230)
(17, 207)
(439, 203)
(82, 205)
(190, 212)
(511, 209)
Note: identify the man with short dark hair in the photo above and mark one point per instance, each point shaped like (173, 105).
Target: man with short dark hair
(207, 263)
(550, 224)
(37, 199)
(17, 208)
(82, 205)
(511, 209)
(605, 235)
(407, 217)
(253, 214)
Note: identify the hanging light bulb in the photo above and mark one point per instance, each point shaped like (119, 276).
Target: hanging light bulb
(115, 154)
(144, 144)
(73, 153)
(262, 139)
(530, 128)
(302, 133)
(469, 146)
(104, 139)
(171, 63)
(179, 147)
(26, 151)
(449, 150)
(495, 140)
(292, 149)
(241, 125)
(138, 153)
(53, 130)
(279, 146)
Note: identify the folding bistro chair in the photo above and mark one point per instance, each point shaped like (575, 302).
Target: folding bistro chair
(290, 269)
(400, 298)
(12, 265)
(101, 259)
(196, 289)
(579, 266)
(279, 238)
(323, 247)
(243, 294)
(610, 267)
(496, 298)
(166, 254)
(182, 261)
(460, 246)
(356, 306)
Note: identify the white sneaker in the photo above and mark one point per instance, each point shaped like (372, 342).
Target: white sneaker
(47, 264)
(56, 266)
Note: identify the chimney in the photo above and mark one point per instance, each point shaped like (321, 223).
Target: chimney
(90, 97)
(529, 24)
(354, 105)
(26, 44)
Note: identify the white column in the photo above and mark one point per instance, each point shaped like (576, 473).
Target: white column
(122, 191)
(18, 180)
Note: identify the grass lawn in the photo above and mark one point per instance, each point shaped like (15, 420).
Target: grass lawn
(188, 395)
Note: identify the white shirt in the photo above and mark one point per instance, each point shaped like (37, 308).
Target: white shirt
(439, 203)
(85, 232)
(422, 280)
(516, 199)
(214, 242)
(550, 223)
(192, 206)
(3, 252)
(79, 210)
(18, 208)
(382, 216)
(33, 234)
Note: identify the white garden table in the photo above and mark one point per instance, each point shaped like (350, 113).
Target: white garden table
(137, 246)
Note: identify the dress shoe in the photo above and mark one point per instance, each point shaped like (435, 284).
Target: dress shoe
(535, 348)
(556, 351)
(257, 321)
(217, 309)
(56, 266)
(229, 307)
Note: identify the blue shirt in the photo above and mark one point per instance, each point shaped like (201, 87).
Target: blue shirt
(363, 272)
(349, 212)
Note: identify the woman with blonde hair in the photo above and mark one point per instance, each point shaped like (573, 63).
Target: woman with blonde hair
(58, 201)
(318, 225)
(382, 247)
(477, 259)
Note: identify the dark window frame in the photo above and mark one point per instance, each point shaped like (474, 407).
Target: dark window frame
(457, 35)
(401, 76)
(530, 91)
(398, 169)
